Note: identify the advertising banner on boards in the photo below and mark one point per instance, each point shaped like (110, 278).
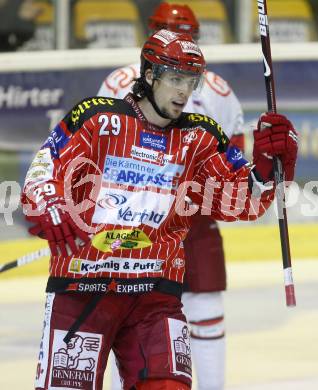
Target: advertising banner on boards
(31, 103)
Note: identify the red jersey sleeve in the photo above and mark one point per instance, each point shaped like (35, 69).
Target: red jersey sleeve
(46, 177)
(226, 179)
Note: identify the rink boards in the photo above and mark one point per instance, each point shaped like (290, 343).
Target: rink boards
(242, 243)
(42, 97)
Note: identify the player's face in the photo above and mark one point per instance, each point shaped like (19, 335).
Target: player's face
(172, 91)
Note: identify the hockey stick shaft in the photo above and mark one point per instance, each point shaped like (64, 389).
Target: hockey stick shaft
(26, 259)
(278, 171)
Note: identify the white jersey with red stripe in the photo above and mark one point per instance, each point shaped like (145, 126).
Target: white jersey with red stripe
(216, 99)
(131, 174)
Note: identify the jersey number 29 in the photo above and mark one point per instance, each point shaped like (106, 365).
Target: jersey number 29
(113, 125)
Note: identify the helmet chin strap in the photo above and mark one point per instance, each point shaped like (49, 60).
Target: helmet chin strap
(149, 94)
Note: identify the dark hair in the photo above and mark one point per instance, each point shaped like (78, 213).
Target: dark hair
(138, 89)
(141, 86)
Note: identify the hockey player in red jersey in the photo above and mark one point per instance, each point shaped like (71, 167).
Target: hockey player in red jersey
(107, 191)
(205, 277)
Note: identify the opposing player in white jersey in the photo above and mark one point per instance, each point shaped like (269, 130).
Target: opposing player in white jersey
(205, 276)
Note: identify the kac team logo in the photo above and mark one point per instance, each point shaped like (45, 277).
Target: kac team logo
(178, 263)
(191, 136)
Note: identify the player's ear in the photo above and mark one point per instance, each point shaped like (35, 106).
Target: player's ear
(149, 76)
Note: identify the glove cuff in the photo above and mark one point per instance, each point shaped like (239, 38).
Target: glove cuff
(256, 184)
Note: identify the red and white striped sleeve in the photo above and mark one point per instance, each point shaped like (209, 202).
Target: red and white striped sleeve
(226, 187)
(64, 144)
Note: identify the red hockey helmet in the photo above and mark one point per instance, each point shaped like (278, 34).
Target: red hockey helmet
(174, 17)
(175, 51)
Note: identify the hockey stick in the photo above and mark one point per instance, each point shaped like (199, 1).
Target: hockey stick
(278, 171)
(26, 259)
